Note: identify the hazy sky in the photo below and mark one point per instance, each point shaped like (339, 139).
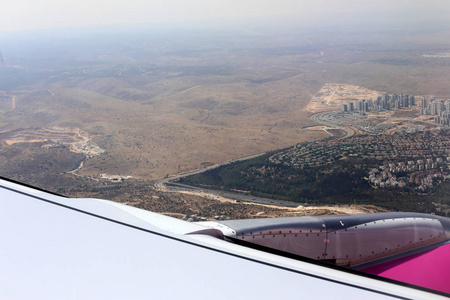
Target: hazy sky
(38, 14)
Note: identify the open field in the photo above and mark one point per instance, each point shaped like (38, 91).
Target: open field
(207, 124)
(333, 95)
(137, 110)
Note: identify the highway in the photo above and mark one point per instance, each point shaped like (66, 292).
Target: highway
(168, 185)
(160, 185)
(238, 197)
(321, 118)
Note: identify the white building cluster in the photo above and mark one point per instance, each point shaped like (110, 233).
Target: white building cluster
(439, 109)
(384, 102)
(420, 173)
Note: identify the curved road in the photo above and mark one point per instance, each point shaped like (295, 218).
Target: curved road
(161, 184)
(167, 184)
(321, 118)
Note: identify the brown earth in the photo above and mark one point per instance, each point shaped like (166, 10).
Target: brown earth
(168, 120)
(333, 95)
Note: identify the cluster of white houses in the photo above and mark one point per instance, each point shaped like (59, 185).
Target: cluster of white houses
(419, 173)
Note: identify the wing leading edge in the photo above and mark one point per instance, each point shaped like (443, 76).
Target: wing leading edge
(58, 248)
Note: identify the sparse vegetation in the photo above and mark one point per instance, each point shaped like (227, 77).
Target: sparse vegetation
(159, 105)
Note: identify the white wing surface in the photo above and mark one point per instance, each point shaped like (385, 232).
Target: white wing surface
(57, 248)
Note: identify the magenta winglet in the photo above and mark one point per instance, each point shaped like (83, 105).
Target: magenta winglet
(429, 269)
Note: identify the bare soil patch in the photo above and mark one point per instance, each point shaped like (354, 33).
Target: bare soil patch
(333, 95)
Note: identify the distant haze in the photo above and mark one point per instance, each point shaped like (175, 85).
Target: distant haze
(21, 15)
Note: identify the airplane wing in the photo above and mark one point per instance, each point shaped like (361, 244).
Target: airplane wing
(53, 247)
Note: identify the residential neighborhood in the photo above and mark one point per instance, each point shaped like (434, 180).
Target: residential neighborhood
(397, 160)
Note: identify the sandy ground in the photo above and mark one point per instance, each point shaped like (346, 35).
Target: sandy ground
(300, 210)
(333, 95)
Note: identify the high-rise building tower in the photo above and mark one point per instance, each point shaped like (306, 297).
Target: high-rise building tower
(423, 103)
(361, 105)
(441, 105)
(344, 108)
(434, 108)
